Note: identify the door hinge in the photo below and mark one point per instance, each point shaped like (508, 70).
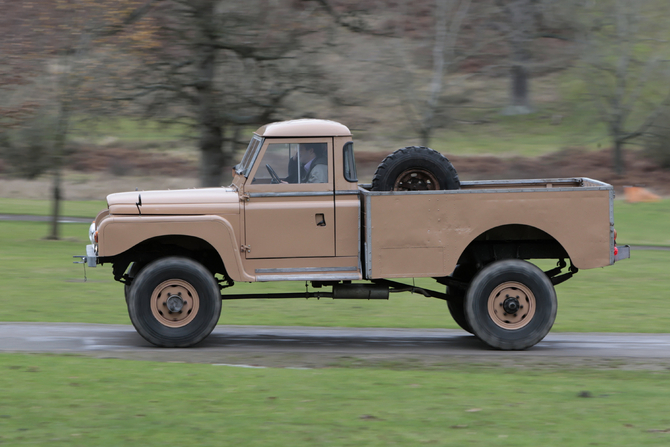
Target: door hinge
(244, 197)
(246, 248)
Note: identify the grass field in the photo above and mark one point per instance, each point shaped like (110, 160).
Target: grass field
(643, 223)
(79, 401)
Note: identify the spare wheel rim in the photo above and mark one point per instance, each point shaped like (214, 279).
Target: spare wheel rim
(416, 179)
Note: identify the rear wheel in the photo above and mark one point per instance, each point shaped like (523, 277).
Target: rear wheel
(511, 305)
(174, 302)
(415, 168)
(462, 272)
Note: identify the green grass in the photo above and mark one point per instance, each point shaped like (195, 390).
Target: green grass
(79, 401)
(643, 223)
(70, 208)
(40, 283)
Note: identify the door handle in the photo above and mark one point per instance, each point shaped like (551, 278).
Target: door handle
(320, 220)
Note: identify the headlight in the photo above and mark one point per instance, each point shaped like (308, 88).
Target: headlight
(91, 233)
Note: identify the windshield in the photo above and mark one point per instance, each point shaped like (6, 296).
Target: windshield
(249, 157)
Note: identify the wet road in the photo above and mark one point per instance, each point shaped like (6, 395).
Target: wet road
(257, 341)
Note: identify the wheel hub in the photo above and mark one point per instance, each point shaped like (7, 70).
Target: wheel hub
(511, 305)
(174, 303)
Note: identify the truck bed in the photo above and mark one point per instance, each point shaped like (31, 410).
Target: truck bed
(424, 233)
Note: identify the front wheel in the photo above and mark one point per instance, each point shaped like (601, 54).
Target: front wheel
(511, 305)
(132, 273)
(174, 302)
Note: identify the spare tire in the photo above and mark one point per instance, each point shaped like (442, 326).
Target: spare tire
(415, 168)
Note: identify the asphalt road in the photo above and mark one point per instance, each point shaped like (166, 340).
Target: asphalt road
(318, 346)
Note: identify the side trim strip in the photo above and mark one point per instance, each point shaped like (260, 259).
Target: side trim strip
(309, 269)
(292, 194)
(309, 277)
(305, 193)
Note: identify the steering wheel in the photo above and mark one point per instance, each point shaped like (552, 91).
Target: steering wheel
(273, 174)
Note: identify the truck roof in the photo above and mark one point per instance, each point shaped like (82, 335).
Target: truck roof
(304, 128)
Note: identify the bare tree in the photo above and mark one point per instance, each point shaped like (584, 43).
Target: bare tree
(57, 43)
(449, 20)
(520, 29)
(425, 94)
(625, 61)
(223, 65)
(524, 26)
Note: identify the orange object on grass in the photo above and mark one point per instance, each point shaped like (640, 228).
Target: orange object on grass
(636, 194)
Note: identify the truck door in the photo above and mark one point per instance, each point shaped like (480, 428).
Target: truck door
(290, 210)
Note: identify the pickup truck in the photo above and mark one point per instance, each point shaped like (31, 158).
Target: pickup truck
(296, 212)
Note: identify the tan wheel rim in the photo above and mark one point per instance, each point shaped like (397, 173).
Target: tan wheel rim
(175, 303)
(416, 180)
(511, 305)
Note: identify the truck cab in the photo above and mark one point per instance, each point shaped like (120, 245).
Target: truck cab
(293, 225)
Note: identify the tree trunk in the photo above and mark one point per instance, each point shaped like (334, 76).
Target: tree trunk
(210, 125)
(211, 156)
(619, 165)
(519, 86)
(519, 92)
(520, 16)
(54, 234)
(62, 128)
(424, 136)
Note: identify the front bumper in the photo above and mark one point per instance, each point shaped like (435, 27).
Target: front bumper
(91, 258)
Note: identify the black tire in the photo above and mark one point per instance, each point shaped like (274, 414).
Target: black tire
(511, 305)
(174, 302)
(415, 168)
(465, 273)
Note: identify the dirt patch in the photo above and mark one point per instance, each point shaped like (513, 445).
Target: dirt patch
(125, 161)
(95, 172)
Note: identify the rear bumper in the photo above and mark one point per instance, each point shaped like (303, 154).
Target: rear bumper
(622, 252)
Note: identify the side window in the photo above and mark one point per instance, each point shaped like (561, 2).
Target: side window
(293, 163)
(349, 163)
(275, 160)
(313, 162)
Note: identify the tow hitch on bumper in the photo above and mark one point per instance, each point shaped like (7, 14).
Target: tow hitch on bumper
(91, 258)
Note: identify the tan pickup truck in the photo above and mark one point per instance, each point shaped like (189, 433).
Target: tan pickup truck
(296, 212)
